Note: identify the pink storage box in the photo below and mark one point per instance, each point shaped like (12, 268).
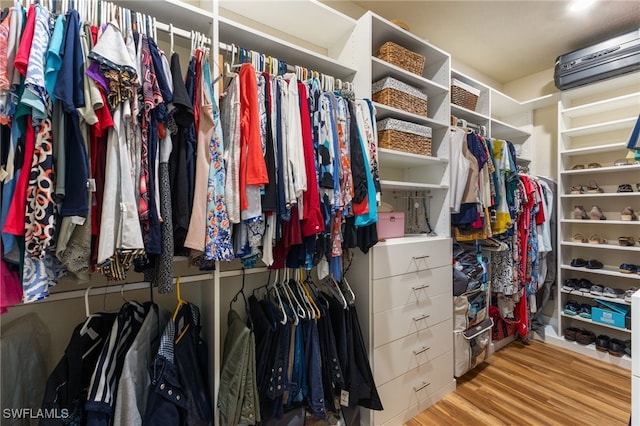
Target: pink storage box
(390, 225)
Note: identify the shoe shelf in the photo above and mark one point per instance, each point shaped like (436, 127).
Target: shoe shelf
(609, 126)
(607, 169)
(601, 246)
(599, 324)
(578, 293)
(595, 149)
(606, 270)
(598, 107)
(606, 194)
(594, 124)
(551, 336)
(601, 222)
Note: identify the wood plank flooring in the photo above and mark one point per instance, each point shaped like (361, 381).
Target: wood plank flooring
(539, 384)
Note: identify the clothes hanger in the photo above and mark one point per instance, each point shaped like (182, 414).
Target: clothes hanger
(246, 304)
(284, 285)
(346, 290)
(87, 311)
(274, 287)
(297, 290)
(300, 310)
(313, 309)
(124, 299)
(335, 290)
(255, 290)
(181, 302)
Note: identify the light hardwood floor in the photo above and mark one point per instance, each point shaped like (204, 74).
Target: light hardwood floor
(539, 384)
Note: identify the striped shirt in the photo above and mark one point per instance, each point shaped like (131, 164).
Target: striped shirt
(105, 378)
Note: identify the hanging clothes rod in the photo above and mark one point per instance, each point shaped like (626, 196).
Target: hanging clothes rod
(179, 32)
(143, 285)
(117, 288)
(234, 49)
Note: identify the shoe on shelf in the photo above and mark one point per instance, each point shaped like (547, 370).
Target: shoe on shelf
(578, 189)
(602, 342)
(597, 239)
(625, 187)
(580, 213)
(585, 311)
(593, 165)
(629, 293)
(584, 285)
(570, 333)
(579, 238)
(626, 241)
(594, 264)
(578, 167)
(628, 268)
(570, 284)
(628, 214)
(585, 337)
(571, 308)
(613, 293)
(596, 214)
(594, 188)
(596, 290)
(627, 347)
(616, 347)
(579, 263)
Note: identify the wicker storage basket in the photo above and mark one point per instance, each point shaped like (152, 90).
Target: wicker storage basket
(401, 57)
(464, 95)
(404, 136)
(397, 94)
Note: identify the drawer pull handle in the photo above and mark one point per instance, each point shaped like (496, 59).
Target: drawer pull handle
(419, 388)
(425, 316)
(420, 257)
(418, 352)
(423, 286)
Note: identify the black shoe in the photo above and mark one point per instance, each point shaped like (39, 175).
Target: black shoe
(616, 347)
(594, 264)
(578, 263)
(602, 342)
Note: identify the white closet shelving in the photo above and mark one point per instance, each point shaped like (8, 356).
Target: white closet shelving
(502, 116)
(594, 124)
(635, 364)
(402, 172)
(403, 285)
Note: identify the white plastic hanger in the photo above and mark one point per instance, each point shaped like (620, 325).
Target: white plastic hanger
(87, 311)
(171, 39)
(274, 286)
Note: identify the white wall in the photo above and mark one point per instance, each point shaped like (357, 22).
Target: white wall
(531, 86)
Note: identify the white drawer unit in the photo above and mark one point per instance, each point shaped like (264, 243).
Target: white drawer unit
(416, 317)
(404, 303)
(399, 290)
(390, 260)
(398, 357)
(415, 386)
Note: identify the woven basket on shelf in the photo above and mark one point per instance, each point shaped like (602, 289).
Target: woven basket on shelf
(401, 57)
(464, 95)
(397, 94)
(404, 136)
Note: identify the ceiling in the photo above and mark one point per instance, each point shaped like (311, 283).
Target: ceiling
(507, 40)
